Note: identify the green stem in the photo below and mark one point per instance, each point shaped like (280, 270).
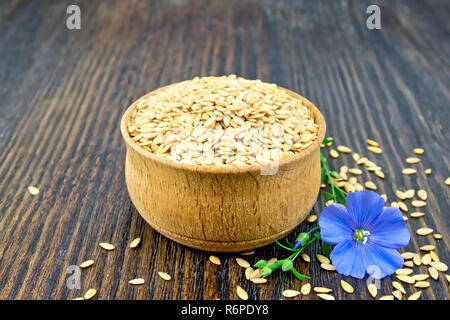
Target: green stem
(324, 165)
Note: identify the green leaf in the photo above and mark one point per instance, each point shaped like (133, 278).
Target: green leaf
(327, 141)
(299, 275)
(326, 248)
(339, 195)
(334, 174)
(287, 265)
(328, 196)
(260, 264)
(266, 271)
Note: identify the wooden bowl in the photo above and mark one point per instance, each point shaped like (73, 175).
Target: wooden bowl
(224, 209)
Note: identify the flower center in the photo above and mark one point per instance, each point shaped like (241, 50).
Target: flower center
(361, 235)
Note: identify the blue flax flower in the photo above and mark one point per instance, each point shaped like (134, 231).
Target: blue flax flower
(365, 234)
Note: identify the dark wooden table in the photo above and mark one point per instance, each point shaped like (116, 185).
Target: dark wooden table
(63, 93)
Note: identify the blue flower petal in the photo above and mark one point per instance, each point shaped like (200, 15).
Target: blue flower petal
(380, 261)
(336, 224)
(347, 257)
(390, 229)
(364, 207)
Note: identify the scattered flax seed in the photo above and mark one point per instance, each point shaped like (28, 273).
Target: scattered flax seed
(384, 196)
(422, 284)
(424, 231)
(427, 171)
(306, 289)
(422, 194)
(243, 263)
(394, 204)
(322, 290)
(420, 277)
(408, 255)
(322, 259)
(417, 214)
(136, 281)
(86, 264)
(418, 151)
(427, 247)
(256, 274)
(379, 174)
(306, 257)
(334, 154)
(164, 275)
(397, 294)
(399, 287)
(447, 181)
(437, 236)
(361, 161)
(90, 294)
(106, 246)
(402, 206)
(372, 290)
(78, 298)
(355, 171)
(325, 296)
(409, 194)
(259, 280)
(403, 272)
(33, 190)
(389, 297)
(248, 272)
(372, 143)
(417, 260)
(356, 156)
(415, 296)
(433, 273)
(434, 257)
(409, 171)
(373, 169)
(312, 218)
(439, 266)
(247, 253)
(344, 149)
(271, 261)
(241, 293)
(347, 287)
(406, 279)
(290, 293)
(370, 185)
(328, 267)
(448, 277)
(369, 164)
(214, 260)
(408, 264)
(426, 259)
(135, 243)
(375, 150)
(412, 160)
(418, 203)
(400, 194)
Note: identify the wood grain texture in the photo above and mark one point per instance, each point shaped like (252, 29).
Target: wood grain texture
(64, 92)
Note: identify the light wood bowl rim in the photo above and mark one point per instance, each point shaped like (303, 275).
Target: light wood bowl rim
(318, 118)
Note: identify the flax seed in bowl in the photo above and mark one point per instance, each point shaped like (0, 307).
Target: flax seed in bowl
(223, 163)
